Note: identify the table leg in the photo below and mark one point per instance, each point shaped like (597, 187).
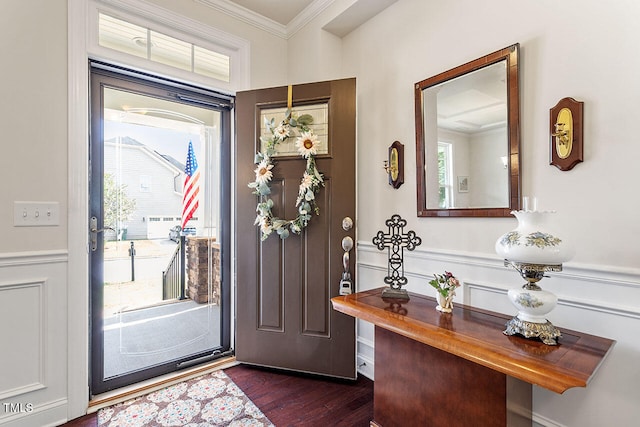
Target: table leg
(418, 385)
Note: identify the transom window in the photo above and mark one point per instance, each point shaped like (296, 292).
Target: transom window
(143, 42)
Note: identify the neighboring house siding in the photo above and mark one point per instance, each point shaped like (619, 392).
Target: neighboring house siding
(149, 179)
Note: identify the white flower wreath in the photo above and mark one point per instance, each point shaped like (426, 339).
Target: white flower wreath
(307, 143)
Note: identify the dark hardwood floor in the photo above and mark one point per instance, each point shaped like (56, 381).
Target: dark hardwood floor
(290, 399)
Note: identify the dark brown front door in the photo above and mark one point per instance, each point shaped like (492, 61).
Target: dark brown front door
(284, 314)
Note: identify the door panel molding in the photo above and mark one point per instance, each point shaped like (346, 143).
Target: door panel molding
(270, 274)
(316, 300)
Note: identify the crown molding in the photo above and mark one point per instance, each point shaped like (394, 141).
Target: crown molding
(248, 16)
(304, 17)
(266, 24)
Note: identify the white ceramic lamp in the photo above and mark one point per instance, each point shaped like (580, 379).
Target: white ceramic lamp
(533, 248)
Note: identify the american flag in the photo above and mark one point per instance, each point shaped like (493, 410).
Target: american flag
(191, 187)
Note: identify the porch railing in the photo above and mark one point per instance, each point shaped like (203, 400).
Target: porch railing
(173, 278)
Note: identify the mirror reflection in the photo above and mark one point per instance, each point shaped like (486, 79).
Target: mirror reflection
(467, 140)
(470, 165)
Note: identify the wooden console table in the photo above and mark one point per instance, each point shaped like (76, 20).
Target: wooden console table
(459, 369)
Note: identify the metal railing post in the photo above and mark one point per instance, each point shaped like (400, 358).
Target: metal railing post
(183, 267)
(132, 254)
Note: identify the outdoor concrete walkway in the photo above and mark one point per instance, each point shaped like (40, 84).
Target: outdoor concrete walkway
(150, 260)
(150, 336)
(140, 329)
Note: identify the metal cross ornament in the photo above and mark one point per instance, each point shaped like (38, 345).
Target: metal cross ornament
(396, 241)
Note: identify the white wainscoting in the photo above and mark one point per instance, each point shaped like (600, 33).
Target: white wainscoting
(23, 329)
(33, 359)
(598, 300)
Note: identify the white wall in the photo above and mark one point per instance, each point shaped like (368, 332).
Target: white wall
(489, 179)
(33, 120)
(33, 167)
(571, 48)
(579, 48)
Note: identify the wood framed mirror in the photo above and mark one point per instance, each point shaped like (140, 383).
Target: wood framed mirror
(468, 139)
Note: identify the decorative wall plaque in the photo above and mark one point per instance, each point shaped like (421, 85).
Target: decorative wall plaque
(565, 128)
(395, 164)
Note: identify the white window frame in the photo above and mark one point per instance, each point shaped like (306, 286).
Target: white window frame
(82, 46)
(166, 22)
(449, 198)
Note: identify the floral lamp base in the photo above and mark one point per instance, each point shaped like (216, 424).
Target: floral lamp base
(546, 332)
(533, 304)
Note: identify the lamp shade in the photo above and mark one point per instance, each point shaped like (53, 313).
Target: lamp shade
(534, 241)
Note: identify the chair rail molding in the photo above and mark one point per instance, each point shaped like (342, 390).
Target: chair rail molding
(12, 259)
(578, 285)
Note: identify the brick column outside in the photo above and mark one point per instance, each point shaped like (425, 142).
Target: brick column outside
(198, 271)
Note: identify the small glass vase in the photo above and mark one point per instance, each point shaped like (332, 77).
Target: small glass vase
(445, 304)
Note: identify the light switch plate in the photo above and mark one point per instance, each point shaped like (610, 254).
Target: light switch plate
(36, 214)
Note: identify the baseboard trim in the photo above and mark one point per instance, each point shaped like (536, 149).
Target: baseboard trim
(366, 366)
(40, 415)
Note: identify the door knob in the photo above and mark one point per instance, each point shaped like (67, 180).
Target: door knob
(347, 243)
(346, 285)
(93, 231)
